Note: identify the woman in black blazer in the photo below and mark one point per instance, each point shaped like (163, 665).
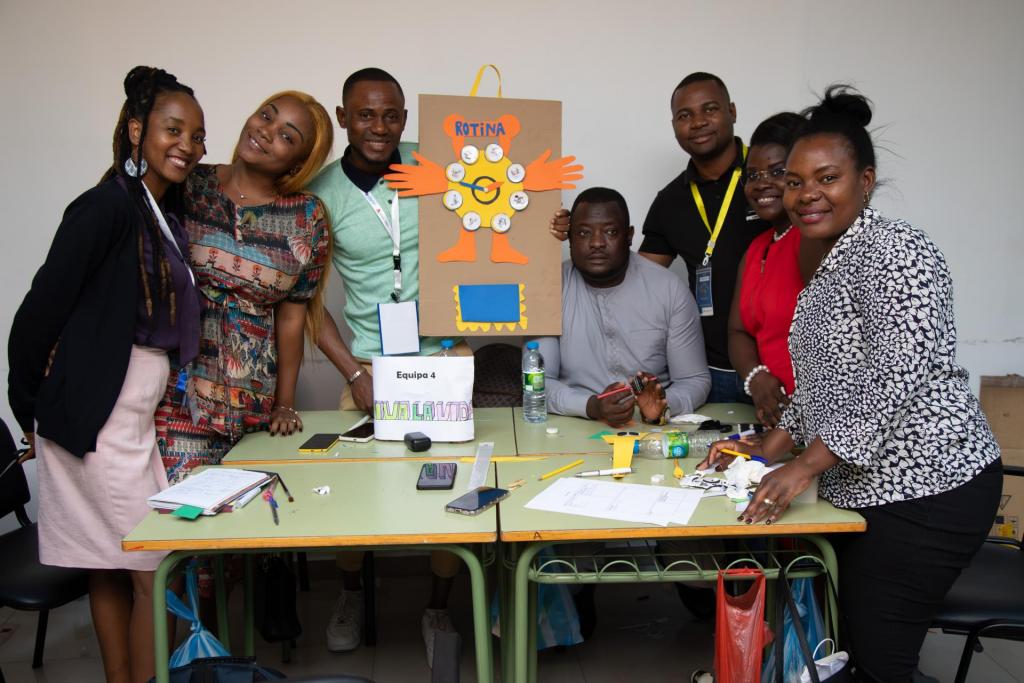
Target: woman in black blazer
(89, 360)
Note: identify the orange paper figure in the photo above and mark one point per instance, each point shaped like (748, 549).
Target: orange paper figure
(484, 188)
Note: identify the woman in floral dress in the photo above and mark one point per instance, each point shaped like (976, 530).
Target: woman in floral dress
(258, 246)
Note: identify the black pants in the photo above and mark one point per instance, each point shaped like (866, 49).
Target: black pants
(893, 577)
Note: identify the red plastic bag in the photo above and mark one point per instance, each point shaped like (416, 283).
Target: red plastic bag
(740, 630)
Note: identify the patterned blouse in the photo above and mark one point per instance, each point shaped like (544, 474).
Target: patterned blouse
(873, 344)
(246, 260)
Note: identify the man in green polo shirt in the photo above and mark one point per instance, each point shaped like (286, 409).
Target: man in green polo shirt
(368, 229)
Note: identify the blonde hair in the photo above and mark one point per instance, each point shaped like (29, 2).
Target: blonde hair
(315, 307)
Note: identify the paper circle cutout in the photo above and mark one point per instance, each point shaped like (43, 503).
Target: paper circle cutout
(516, 173)
(501, 223)
(471, 221)
(494, 153)
(469, 155)
(519, 200)
(455, 172)
(452, 199)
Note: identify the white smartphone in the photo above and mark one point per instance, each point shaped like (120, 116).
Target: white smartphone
(359, 434)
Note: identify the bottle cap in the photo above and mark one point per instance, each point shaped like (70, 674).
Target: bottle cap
(532, 345)
(551, 430)
(447, 343)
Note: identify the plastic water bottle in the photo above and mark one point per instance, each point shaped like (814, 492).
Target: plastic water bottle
(700, 441)
(446, 348)
(535, 403)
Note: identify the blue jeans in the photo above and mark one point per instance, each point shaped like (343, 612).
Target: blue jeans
(727, 387)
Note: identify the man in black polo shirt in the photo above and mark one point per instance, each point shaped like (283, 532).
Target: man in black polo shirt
(703, 118)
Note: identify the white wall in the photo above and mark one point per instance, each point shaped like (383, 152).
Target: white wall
(945, 77)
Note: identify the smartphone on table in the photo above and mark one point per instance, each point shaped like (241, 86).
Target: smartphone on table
(318, 443)
(436, 476)
(359, 434)
(477, 500)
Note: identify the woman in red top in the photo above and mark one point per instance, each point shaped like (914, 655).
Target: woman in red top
(770, 277)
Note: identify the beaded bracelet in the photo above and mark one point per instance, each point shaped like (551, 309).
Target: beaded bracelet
(750, 376)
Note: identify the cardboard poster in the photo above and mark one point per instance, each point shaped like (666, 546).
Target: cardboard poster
(489, 176)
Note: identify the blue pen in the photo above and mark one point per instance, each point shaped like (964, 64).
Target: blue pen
(268, 495)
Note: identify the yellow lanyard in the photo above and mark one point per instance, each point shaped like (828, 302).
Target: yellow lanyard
(720, 220)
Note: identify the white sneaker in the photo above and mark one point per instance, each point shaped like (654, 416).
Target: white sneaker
(345, 627)
(433, 622)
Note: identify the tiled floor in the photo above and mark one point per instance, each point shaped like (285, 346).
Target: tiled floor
(643, 634)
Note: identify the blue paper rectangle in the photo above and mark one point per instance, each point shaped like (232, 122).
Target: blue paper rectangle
(489, 303)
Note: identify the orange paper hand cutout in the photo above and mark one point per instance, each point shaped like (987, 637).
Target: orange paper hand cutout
(543, 175)
(415, 181)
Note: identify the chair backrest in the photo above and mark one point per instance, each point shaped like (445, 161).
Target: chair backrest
(498, 380)
(14, 493)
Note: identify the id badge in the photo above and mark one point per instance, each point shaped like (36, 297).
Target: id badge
(705, 304)
(399, 328)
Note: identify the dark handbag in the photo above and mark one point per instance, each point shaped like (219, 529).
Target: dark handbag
(277, 618)
(785, 602)
(223, 670)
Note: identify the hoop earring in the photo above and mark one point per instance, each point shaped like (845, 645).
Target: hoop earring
(135, 171)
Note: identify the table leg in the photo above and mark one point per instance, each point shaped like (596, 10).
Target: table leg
(828, 556)
(250, 611)
(521, 612)
(506, 609)
(221, 593)
(161, 644)
(481, 622)
(531, 642)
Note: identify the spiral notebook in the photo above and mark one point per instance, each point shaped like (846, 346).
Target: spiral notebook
(209, 490)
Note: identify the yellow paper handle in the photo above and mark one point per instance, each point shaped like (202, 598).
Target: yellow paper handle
(480, 75)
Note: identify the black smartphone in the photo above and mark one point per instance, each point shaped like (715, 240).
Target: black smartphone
(477, 500)
(318, 443)
(436, 476)
(360, 434)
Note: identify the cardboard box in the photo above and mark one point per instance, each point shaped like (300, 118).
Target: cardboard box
(1002, 399)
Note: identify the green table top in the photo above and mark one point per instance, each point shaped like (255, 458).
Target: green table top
(574, 432)
(370, 503)
(714, 517)
(492, 424)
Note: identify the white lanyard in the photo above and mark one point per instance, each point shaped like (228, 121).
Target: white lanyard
(393, 227)
(166, 230)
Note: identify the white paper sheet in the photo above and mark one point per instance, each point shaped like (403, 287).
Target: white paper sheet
(661, 505)
(399, 328)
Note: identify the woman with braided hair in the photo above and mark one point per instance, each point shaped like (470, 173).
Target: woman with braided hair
(89, 351)
(258, 246)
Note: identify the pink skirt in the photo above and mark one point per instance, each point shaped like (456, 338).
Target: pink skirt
(87, 505)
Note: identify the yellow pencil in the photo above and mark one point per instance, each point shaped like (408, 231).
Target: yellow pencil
(562, 469)
(745, 456)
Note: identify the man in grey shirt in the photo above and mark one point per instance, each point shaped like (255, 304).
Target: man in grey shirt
(622, 315)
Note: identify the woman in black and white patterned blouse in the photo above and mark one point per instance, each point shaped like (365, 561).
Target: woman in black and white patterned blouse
(885, 412)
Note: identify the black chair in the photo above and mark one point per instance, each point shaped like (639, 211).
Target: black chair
(988, 598)
(24, 583)
(498, 380)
